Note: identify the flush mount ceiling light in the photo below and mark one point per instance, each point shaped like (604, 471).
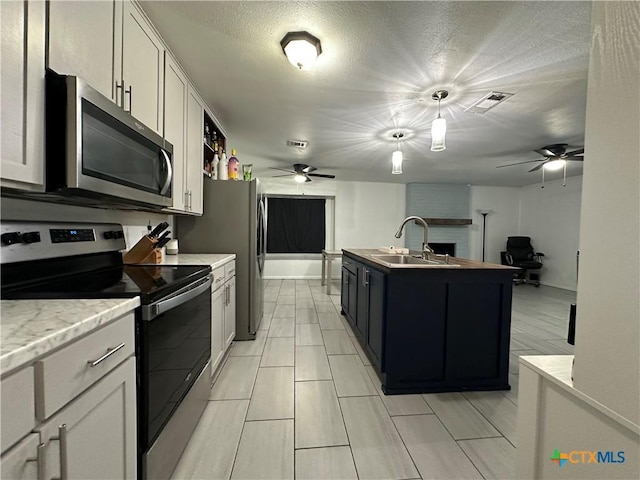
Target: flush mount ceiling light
(299, 178)
(301, 48)
(396, 157)
(439, 125)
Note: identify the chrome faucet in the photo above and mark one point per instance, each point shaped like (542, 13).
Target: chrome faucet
(426, 249)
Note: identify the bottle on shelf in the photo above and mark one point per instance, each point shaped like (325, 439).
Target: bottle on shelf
(214, 141)
(214, 166)
(223, 167)
(207, 134)
(233, 165)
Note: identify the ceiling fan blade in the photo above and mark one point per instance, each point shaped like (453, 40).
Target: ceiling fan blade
(287, 175)
(309, 169)
(537, 167)
(282, 169)
(307, 179)
(320, 175)
(575, 152)
(576, 159)
(520, 163)
(545, 152)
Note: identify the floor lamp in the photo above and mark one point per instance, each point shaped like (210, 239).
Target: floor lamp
(484, 214)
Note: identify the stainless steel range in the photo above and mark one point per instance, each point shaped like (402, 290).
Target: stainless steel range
(173, 324)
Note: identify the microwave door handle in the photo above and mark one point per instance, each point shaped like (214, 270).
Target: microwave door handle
(167, 182)
(149, 312)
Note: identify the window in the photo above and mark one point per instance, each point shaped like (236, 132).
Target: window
(296, 225)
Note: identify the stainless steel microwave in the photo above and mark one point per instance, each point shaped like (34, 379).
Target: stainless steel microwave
(98, 152)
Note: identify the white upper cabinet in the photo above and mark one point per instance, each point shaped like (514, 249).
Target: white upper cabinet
(84, 40)
(176, 88)
(142, 69)
(195, 147)
(111, 46)
(22, 26)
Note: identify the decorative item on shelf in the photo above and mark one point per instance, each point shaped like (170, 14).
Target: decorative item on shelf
(246, 172)
(214, 166)
(207, 134)
(233, 165)
(439, 125)
(301, 49)
(396, 157)
(223, 167)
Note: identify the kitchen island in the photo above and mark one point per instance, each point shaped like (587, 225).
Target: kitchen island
(429, 326)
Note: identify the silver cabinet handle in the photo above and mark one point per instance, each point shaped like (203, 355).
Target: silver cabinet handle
(190, 199)
(365, 281)
(128, 91)
(119, 89)
(39, 459)
(226, 294)
(62, 438)
(186, 199)
(110, 351)
(167, 182)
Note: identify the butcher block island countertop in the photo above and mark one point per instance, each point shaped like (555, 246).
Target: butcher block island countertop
(430, 327)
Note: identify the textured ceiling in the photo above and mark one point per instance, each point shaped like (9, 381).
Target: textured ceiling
(381, 62)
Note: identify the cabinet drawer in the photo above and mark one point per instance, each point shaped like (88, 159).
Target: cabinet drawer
(20, 463)
(349, 265)
(17, 400)
(229, 270)
(65, 374)
(218, 278)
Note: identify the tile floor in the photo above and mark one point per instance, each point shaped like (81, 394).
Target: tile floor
(302, 401)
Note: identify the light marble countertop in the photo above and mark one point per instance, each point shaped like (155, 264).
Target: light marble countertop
(31, 328)
(214, 259)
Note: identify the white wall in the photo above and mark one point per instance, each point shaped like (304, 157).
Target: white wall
(501, 222)
(607, 351)
(134, 222)
(551, 217)
(366, 216)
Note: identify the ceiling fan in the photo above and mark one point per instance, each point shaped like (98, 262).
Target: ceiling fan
(302, 172)
(556, 156)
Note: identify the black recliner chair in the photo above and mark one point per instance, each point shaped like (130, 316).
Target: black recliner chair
(520, 254)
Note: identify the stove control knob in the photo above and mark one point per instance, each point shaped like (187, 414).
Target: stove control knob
(31, 237)
(109, 235)
(11, 237)
(119, 234)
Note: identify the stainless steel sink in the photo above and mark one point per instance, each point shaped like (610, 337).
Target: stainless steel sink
(410, 260)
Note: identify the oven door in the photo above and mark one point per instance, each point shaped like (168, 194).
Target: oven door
(174, 345)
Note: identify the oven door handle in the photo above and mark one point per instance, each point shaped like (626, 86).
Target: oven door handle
(149, 312)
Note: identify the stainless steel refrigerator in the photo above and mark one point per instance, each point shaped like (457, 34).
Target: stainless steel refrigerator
(233, 222)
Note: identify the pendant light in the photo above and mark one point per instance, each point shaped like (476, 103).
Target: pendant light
(301, 49)
(396, 157)
(439, 125)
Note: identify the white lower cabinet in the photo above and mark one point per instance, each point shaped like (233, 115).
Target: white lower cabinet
(72, 413)
(223, 312)
(94, 437)
(217, 320)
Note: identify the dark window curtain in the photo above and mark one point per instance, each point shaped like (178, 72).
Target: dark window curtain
(295, 225)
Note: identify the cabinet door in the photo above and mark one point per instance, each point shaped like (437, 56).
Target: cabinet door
(195, 152)
(85, 39)
(100, 430)
(344, 292)
(22, 30)
(362, 308)
(230, 313)
(175, 124)
(21, 462)
(142, 69)
(375, 327)
(217, 328)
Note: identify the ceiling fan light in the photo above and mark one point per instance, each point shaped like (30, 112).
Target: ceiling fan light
(438, 133)
(299, 178)
(554, 165)
(396, 162)
(301, 48)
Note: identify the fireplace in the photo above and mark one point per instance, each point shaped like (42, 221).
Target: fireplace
(443, 248)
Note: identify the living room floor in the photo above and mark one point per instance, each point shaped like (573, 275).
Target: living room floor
(302, 400)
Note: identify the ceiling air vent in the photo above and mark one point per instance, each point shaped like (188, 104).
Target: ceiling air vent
(297, 143)
(489, 101)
